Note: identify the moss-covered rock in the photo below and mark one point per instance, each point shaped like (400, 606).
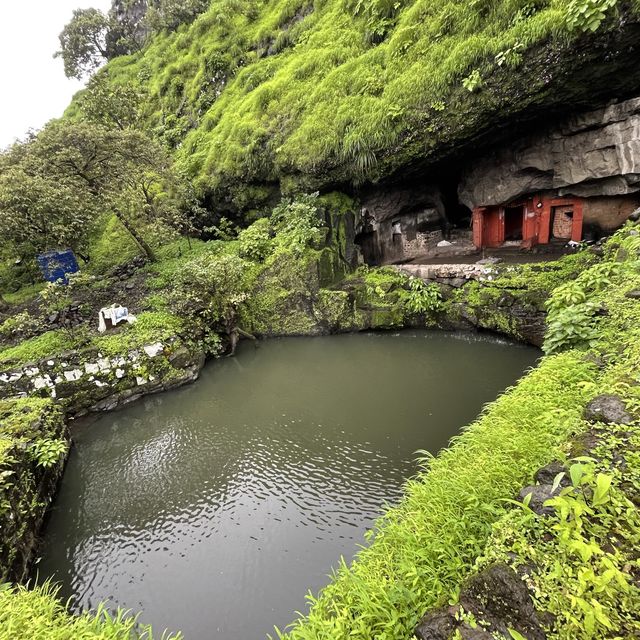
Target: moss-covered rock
(33, 447)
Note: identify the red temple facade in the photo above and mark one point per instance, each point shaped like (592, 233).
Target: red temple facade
(539, 219)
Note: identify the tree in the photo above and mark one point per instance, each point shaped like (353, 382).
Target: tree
(73, 171)
(83, 42)
(112, 105)
(122, 169)
(92, 37)
(37, 212)
(209, 292)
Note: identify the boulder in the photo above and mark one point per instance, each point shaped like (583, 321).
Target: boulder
(439, 625)
(539, 493)
(497, 598)
(548, 473)
(607, 408)
(501, 599)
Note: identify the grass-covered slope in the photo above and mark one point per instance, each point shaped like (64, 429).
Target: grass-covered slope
(265, 90)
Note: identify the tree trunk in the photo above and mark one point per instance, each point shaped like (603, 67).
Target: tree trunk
(148, 251)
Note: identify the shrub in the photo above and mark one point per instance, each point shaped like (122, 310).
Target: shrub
(473, 82)
(21, 324)
(571, 327)
(256, 241)
(208, 293)
(588, 15)
(422, 297)
(298, 224)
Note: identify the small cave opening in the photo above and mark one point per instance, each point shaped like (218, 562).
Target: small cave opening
(414, 221)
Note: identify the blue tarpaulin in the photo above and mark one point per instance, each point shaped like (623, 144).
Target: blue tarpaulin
(57, 265)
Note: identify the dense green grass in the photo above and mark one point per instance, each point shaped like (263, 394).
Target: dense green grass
(39, 615)
(345, 81)
(34, 349)
(425, 546)
(582, 560)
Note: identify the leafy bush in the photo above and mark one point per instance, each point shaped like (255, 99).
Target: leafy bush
(571, 319)
(473, 82)
(298, 224)
(567, 295)
(208, 293)
(571, 326)
(578, 576)
(422, 297)
(588, 15)
(256, 241)
(18, 325)
(47, 452)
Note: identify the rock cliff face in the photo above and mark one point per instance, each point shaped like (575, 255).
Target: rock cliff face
(593, 155)
(590, 154)
(130, 16)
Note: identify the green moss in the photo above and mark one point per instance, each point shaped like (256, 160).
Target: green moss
(357, 86)
(26, 293)
(32, 444)
(18, 417)
(150, 327)
(110, 245)
(47, 344)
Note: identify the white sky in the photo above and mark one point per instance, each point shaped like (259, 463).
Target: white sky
(33, 87)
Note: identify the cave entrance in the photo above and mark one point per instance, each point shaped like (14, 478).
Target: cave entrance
(513, 223)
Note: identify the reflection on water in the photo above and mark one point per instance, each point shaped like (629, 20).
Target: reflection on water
(215, 508)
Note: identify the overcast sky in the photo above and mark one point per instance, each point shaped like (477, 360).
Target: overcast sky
(33, 87)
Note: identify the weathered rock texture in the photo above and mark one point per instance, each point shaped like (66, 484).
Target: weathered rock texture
(399, 223)
(89, 381)
(497, 598)
(594, 154)
(497, 309)
(607, 408)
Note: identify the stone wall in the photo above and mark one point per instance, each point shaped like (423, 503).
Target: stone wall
(91, 381)
(399, 223)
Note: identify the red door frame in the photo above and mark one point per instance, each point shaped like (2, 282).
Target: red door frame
(489, 228)
(545, 218)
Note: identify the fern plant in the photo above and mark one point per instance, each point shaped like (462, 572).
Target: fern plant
(588, 15)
